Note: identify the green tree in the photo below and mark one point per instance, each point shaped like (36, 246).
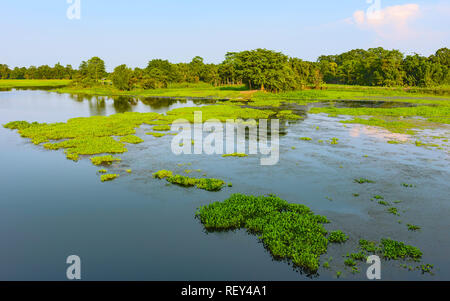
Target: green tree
(121, 77)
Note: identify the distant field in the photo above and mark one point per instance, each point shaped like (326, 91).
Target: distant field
(29, 83)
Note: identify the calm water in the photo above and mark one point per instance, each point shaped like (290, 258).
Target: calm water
(139, 228)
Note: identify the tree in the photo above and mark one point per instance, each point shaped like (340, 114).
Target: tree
(95, 68)
(121, 77)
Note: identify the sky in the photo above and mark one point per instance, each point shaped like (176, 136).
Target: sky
(132, 32)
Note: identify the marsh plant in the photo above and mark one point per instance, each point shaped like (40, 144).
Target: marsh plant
(289, 231)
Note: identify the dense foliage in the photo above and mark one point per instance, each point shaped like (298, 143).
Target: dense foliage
(259, 69)
(289, 231)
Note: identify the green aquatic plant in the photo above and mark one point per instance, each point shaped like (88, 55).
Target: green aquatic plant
(369, 246)
(288, 231)
(426, 268)
(129, 171)
(132, 139)
(156, 135)
(202, 183)
(161, 128)
(363, 181)
(305, 138)
(240, 155)
(162, 174)
(108, 177)
(356, 195)
(338, 274)
(392, 249)
(358, 256)
(394, 211)
(413, 227)
(104, 160)
(394, 142)
(102, 171)
(384, 203)
(408, 185)
(337, 237)
(378, 197)
(350, 262)
(326, 265)
(334, 140)
(288, 115)
(230, 184)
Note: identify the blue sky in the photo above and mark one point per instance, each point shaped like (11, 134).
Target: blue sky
(36, 32)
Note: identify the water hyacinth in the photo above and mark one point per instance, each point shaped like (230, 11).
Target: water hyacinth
(289, 231)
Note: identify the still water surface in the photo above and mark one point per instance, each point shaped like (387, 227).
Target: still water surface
(139, 228)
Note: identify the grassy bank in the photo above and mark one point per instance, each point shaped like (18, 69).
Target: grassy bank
(32, 83)
(174, 90)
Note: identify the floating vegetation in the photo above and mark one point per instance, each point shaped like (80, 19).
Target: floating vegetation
(408, 185)
(230, 184)
(129, 171)
(356, 195)
(102, 171)
(384, 203)
(413, 227)
(156, 135)
(162, 174)
(338, 274)
(288, 115)
(326, 265)
(358, 256)
(161, 128)
(132, 139)
(389, 249)
(240, 155)
(378, 197)
(426, 268)
(305, 138)
(202, 183)
(104, 160)
(394, 142)
(288, 231)
(334, 140)
(337, 237)
(363, 181)
(206, 184)
(108, 177)
(392, 249)
(350, 262)
(394, 211)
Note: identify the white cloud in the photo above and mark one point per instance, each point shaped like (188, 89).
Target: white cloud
(392, 22)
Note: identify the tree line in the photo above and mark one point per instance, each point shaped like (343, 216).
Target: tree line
(259, 69)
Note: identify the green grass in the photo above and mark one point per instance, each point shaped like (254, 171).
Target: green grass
(31, 83)
(174, 90)
(288, 231)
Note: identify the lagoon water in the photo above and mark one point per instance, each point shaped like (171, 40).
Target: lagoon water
(140, 228)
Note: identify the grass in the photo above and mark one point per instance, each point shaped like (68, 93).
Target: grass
(288, 231)
(33, 83)
(162, 174)
(174, 90)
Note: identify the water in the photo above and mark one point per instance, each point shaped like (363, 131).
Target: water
(140, 228)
